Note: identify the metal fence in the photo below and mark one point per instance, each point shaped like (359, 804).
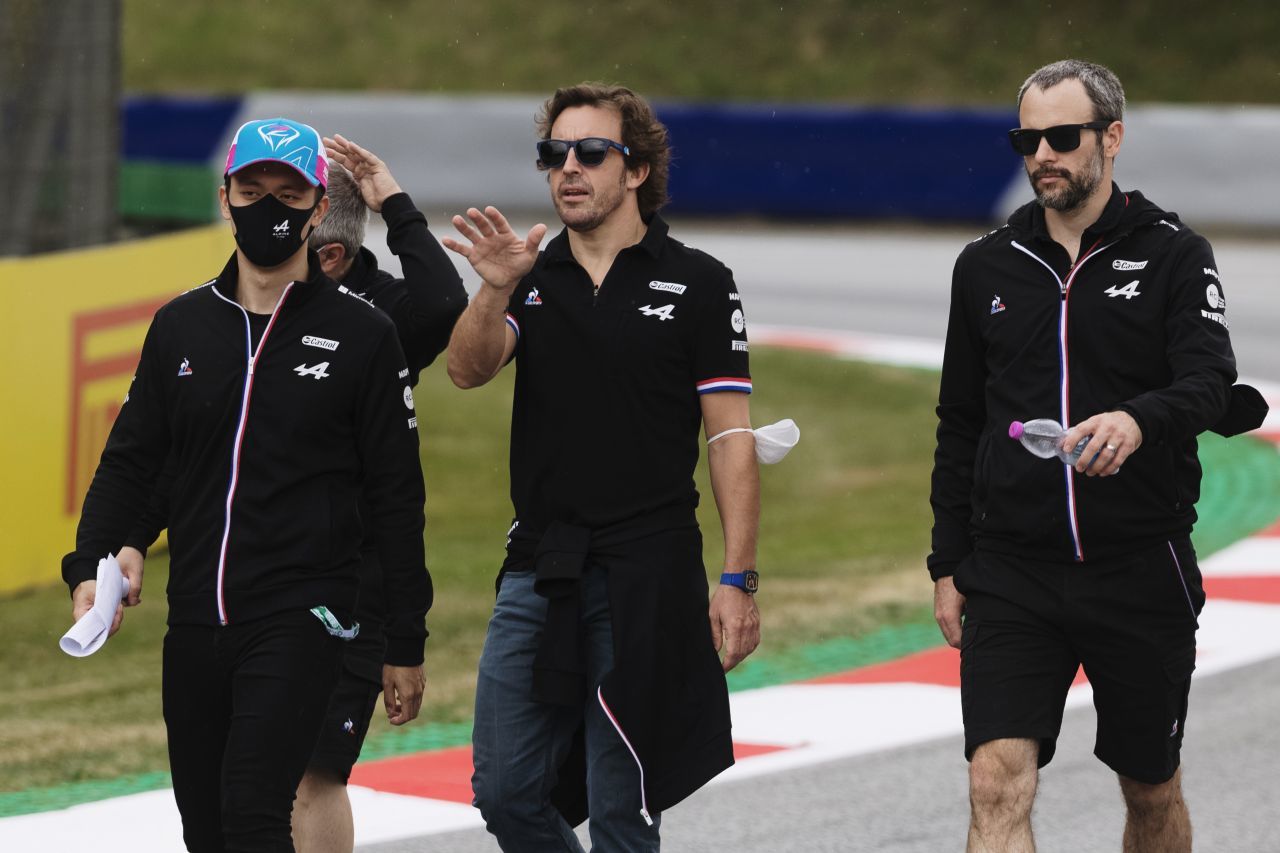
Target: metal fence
(59, 123)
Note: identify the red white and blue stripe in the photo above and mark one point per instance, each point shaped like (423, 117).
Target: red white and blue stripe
(252, 355)
(725, 383)
(515, 326)
(1064, 376)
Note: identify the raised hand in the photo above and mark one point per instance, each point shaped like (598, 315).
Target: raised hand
(371, 174)
(497, 254)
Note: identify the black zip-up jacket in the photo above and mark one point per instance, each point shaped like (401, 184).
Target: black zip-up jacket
(271, 450)
(1136, 324)
(424, 306)
(426, 303)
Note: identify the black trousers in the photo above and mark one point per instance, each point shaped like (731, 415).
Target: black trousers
(243, 705)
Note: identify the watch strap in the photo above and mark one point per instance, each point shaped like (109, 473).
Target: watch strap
(747, 581)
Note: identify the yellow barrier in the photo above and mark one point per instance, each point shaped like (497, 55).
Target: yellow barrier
(74, 330)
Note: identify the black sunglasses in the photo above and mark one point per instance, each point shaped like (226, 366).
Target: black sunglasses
(590, 151)
(1062, 138)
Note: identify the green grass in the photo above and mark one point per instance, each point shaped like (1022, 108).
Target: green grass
(846, 570)
(844, 533)
(866, 51)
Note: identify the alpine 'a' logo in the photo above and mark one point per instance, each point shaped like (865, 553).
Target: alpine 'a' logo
(317, 372)
(1129, 291)
(281, 230)
(663, 313)
(277, 135)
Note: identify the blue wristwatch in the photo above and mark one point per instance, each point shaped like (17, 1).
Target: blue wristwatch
(748, 581)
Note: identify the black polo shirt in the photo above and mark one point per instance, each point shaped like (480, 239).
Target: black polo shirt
(606, 421)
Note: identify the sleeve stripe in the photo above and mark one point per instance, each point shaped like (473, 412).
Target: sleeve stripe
(515, 327)
(725, 383)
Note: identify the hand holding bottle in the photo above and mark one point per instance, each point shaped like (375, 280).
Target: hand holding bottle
(1104, 440)
(1043, 437)
(1115, 437)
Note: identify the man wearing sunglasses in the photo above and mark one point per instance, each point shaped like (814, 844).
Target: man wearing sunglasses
(600, 690)
(1096, 308)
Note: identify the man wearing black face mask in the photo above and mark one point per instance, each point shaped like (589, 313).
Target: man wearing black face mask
(283, 398)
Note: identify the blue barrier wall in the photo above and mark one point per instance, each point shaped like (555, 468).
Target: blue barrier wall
(839, 162)
(783, 161)
(806, 162)
(173, 129)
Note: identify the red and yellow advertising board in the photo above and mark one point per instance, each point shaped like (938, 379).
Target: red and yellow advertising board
(75, 324)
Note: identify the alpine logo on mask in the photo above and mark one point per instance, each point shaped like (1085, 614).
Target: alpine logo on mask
(269, 232)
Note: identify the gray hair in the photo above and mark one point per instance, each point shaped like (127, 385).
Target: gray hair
(1100, 82)
(347, 214)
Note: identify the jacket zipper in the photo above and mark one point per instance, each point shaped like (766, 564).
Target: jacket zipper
(1177, 569)
(1064, 376)
(252, 360)
(644, 804)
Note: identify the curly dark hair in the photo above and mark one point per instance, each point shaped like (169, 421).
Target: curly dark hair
(641, 132)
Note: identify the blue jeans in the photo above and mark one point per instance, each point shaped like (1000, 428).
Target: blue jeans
(519, 744)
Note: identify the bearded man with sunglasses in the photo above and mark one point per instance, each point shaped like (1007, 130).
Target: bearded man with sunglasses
(1096, 308)
(600, 690)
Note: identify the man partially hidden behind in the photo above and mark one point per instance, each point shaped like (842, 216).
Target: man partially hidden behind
(284, 399)
(1097, 309)
(599, 688)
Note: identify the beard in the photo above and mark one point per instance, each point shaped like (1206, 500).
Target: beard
(1078, 186)
(591, 214)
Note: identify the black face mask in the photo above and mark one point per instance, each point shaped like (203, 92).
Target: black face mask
(269, 231)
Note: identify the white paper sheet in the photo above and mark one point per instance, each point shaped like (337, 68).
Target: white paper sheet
(90, 631)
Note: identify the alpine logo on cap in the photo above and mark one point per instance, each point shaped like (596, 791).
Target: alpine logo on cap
(277, 135)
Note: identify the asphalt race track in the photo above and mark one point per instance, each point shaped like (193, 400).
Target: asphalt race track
(873, 762)
(892, 281)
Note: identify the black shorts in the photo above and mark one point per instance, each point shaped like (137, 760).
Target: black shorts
(351, 708)
(1129, 620)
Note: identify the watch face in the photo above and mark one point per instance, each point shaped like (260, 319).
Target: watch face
(751, 581)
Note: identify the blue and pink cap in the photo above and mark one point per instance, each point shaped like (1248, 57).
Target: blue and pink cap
(283, 141)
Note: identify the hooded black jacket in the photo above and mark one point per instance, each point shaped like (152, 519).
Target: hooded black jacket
(270, 455)
(1136, 324)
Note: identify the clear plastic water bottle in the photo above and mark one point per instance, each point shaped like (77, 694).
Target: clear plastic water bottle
(1043, 437)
